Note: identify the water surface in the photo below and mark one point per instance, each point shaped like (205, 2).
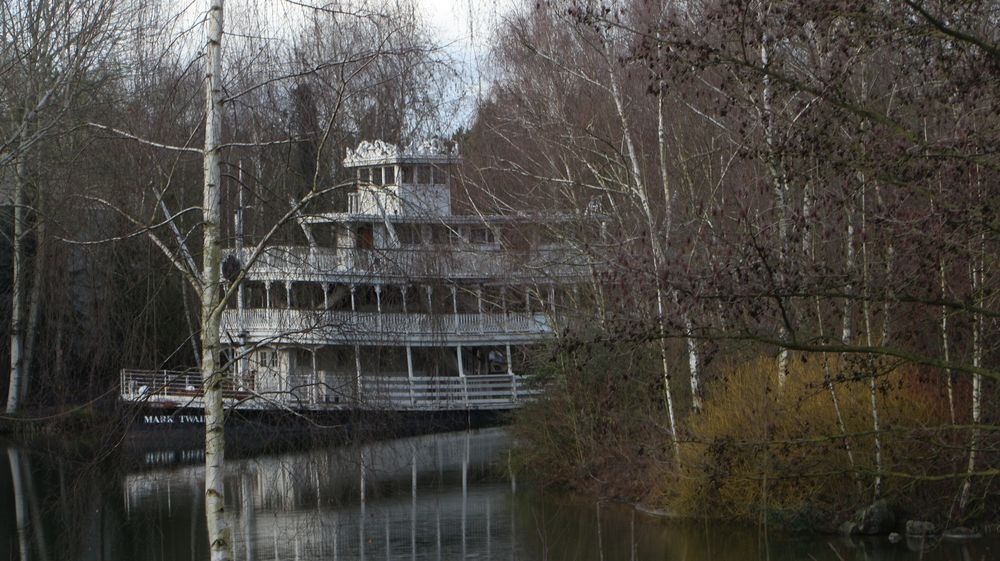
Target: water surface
(437, 497)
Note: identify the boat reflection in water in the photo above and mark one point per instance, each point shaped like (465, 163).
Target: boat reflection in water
(443, 496)
(427, 497)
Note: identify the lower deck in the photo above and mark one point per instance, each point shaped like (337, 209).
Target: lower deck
(484, 392)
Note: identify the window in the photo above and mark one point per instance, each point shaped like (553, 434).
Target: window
(482, 235)
(363, 175)
(409, 234)
(407, 174)
(377, 176)
(390, 175)
(423, 175)
(440, 176)
(268, 359)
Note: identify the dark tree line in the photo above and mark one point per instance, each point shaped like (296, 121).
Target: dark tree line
(809, 183)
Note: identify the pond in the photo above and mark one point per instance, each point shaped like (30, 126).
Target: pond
(435, 497)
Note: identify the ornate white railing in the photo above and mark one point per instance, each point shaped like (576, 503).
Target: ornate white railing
(345, 325)
(398, 393)
(407, 263)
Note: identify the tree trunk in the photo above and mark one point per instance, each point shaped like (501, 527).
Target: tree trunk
(944, 346)
(18, 292)
(866, 312)
(220, 544)
(779, 181)
(667, 227)
(639, 191)
(34, 305)
(978, 279)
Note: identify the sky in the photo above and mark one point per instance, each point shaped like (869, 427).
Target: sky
(464, 29)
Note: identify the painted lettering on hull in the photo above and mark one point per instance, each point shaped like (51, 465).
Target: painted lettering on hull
(173, 419)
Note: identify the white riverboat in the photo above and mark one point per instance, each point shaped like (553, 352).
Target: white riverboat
(398, 303)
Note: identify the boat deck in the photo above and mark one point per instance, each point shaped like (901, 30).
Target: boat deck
(493, 392)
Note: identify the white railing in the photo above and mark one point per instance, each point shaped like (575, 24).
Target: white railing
(292, 258)
(396, 393)
(409, 263)
(328, 323)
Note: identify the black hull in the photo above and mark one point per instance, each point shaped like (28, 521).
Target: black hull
(164, 435)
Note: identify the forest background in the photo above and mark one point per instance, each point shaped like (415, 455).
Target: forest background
(791, 209)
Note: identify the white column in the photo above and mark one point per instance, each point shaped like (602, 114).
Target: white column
(357, 371)
(353, 307)
(378, 298)
(326, 296)
(288, 294)
(479, 307)
(267, 294)
(510, 369)
(428, 289)
(314, 385)
(409, 361)
(402, 291)
(461, 369)
(454, 299)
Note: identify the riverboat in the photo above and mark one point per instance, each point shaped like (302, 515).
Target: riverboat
(397, 302)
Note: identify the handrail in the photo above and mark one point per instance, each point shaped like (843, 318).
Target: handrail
(412, 261)
(278, 321)
(488, 391)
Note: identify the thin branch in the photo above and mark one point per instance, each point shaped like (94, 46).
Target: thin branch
(147, 142)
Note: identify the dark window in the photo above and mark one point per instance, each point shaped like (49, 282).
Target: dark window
(407, 174)
(390, 175)
(482, 235)
(409, 234)
(365, 237)
(363, 175)
(440, 176)
(423, 175)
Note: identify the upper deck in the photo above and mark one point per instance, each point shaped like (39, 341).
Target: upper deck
(399, 227)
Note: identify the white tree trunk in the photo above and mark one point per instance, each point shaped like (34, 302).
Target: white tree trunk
(668, 397)
(866, 312)
(667, 227)
(220, 543)
(18, 292)
(638, 187)
(945, 347)
(779, 184)
(978, 270)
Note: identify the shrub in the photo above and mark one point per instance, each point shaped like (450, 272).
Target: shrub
(757, 449)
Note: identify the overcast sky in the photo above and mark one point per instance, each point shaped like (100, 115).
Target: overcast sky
(465, 28)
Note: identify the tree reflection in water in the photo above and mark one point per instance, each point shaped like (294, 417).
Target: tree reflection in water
(436, 497)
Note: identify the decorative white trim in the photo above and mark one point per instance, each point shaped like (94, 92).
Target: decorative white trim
(378, 152)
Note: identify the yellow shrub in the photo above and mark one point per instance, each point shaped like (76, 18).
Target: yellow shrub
(757, 448)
